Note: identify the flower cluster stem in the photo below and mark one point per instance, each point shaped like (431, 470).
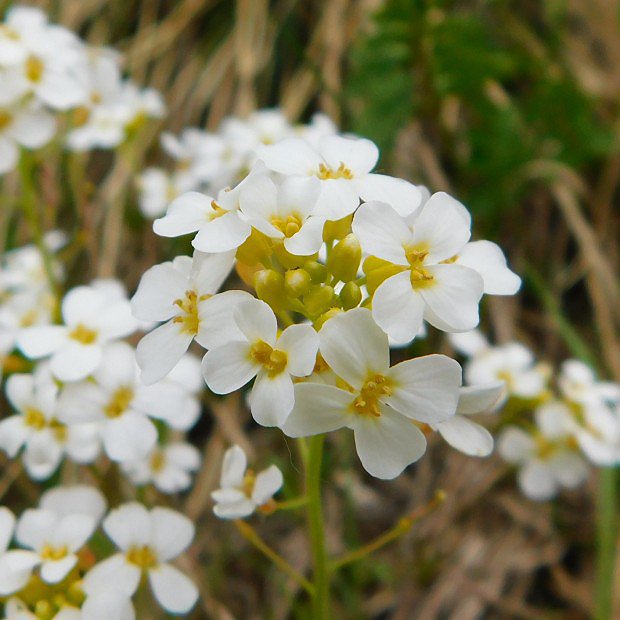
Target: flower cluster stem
(321, 575)
(606, 543)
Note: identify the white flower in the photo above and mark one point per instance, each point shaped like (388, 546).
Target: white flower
(428, 286)
(578, 383)
(242, 491)
(55, 539)
(547, 460)
(464, 434)
(187, 375)
(169, 468)
(27, 126)
(285, 212)
(120, 404)
(91, 320)
(148, 540)
(37, 427)
(15, 565)
(380, 404)
(259, 352)
(158, 189)
(343, 166)
(183, 293)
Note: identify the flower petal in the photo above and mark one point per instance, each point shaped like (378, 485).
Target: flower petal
(228, 368)
(174, 590)
(171, 533)
(272, 398)
(489, 261)
(466, 436)
(268, 483)
(301, 343)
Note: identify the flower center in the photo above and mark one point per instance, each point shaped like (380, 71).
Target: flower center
(143, 557)
(367, 402)
(249, 480)
(59, 430)
(342, 172)
(158, 460)
(34, 69)
(273, 360)
(80, 116)
(288, 225)
(5, 119)
(9, 33)
(420, 277)
(189, 306)
(544, 448)
(34, 418)
(49, 552)
(119, 402)
(217, 211)
(83, 334)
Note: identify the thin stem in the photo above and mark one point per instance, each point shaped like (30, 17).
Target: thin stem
(291, 504)
(403, 526)
(606, 528)
(321, 602)
(251, 535)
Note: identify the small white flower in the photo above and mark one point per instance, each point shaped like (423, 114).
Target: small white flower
(380, 404)
(148, 541)
(343, 166)
(547, 460)
(429, 285)
(285, 212)
(169, 468)
(464, 434)
(55, 539)
(91, 320)
(183, 294)
(75, 499)
(158, 189)
(120, 404)
(259, 352)
(242, 491)
(578, 383)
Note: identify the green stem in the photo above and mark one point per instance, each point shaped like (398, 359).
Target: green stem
(321, 601)
(606, 543)
(292, 504)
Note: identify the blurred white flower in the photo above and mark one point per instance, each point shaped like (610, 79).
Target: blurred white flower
(242, 491)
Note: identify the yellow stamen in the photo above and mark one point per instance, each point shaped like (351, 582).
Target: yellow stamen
(142, 557)
(368, 400)
(420, 277)
(273, 360)
(217, 211)
(158, 460)
(83, 334)
(34, 69)
(5, 119)
(49, 552)
(342, 172)
(189, 305)
(289, 225)
(34, 418)
(119, 402)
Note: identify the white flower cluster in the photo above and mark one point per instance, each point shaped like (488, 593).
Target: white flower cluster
(85, 394)
(574, 421)
(51, 572)
(342, 262)
(51, 81)
(212, 161)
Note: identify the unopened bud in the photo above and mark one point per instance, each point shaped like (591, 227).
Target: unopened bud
(286, 259)
(350, 295)
(344, 260)
(318, 300)
(317, 271)
(269, 285)
(297, 282)
(332, 312)
(255, 249)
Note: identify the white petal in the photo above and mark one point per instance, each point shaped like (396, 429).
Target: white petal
(128, 437)
(171, 533)
(76, 499)
(174, 591)
(160, 350)
(186, 214)
(268, 483)
(42, 455)
(298, 195)
(301, 343)
(217, 319)
(354, 346)
(33, 128)
(233, 467)
(34, 527)
(13, 434)
(489, 261)
(56, 571)
(9, 155)
(466, 436)
(441, 228)
(554, 419)
(386, 445)
(42, 340)
(309, 239)
(259, 198)
(382, 232)
(15, 570)
(358, 154)
(74, 530)
(318, 409)
(222, 234)
(426, 388)
(75, 361)
(159, 287)
(536, 481)
(128, 525)
(272, 398)
(290, 156)
(210, 270)
(569, 468)
(338, 198)
(257, 321)
(82, 304)
(398, 309)
(108, 605)
(238, 509)
(403, 196)
(112, 574)
(480, 398)
(7, 525)
(515, 445)
(228, 368)
(452, 300)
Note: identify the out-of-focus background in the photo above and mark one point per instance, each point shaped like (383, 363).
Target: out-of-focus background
(514, 108)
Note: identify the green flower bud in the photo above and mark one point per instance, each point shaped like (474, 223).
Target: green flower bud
(269, 285)
(318, 300)
(297, 282)
(350, 295)
(317, 271)
(344, 259)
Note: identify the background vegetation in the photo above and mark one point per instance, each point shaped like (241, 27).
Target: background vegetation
(511, 106)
